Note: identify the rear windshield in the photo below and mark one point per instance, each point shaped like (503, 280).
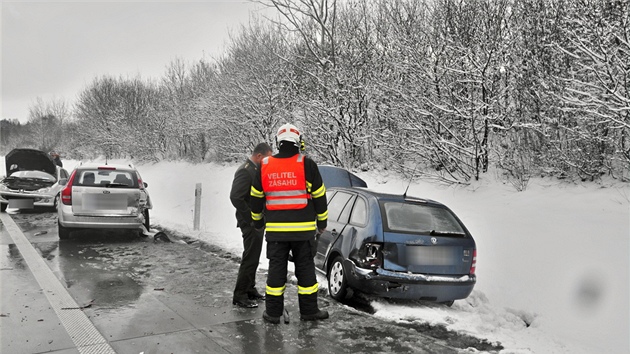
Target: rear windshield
(419, 218)
(106, 178)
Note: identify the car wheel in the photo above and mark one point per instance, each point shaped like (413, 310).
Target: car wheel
(147, 223)
(64, 233)
(337, 285)
(3, 207)
(448, 303)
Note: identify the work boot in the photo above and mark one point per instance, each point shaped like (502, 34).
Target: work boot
(245, 303)
(270, 319)
(255, 295)
(320, 315)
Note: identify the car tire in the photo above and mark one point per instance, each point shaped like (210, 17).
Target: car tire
(56, 202)
(3, 207)
(147, 223)
(64, 232)
(337, 283)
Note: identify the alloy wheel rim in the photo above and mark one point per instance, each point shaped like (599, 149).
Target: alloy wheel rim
(336, 278)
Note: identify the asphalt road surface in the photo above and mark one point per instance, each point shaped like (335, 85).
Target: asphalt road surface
(113, 292)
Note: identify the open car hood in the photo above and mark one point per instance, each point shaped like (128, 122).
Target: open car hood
(29, 160)
(339, 177)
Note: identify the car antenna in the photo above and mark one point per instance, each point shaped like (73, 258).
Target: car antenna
(349, 178)
(410, 179)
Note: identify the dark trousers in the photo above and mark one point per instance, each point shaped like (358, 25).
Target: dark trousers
(252, 247)
(278, 254)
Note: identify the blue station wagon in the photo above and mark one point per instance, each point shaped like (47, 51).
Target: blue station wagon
(392, 246)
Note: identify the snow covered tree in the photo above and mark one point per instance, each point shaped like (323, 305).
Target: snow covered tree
(113, 115)
(45, 121)
(439, 88)
(597, 87)
(332, 46)
(253, 92)
(180, 126)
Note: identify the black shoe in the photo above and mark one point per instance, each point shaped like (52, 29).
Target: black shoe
(255, 295)
(270, 319)
(249, 304)
(320, 315)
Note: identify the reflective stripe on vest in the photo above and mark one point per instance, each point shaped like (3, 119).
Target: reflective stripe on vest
(284, 183)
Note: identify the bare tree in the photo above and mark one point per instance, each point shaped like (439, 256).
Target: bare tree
(46, 121)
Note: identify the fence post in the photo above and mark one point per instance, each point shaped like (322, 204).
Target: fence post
(197, 205)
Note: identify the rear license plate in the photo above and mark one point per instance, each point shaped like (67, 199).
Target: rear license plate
(431, 255)
(104, 202)
(21, 203)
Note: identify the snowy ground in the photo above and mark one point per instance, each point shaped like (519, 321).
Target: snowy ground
(553, 269)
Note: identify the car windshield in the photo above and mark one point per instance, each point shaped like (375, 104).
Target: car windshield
(33, 174)
(420, 218)
(105, 178)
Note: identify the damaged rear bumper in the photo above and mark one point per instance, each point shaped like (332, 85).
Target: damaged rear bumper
(398, 285)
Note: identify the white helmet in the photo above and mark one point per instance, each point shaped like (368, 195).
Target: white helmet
(289, 132)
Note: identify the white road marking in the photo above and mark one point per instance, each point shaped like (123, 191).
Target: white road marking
(83, 333)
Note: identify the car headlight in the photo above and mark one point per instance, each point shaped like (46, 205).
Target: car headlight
(43, 191)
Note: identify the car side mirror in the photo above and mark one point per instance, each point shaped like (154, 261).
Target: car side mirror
(145, 184)
(63, 181)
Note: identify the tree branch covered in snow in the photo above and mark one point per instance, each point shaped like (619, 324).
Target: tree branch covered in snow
(446, 88)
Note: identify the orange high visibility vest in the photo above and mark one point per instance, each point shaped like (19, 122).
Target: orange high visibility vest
(284, 183)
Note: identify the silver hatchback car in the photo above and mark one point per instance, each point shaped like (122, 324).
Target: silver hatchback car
(104, 197)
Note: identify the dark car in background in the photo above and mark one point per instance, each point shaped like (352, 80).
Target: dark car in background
(106, 197)
(392, 246)
(32, 180)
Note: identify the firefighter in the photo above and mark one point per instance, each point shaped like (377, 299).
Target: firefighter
(245, 292)
(291, 193)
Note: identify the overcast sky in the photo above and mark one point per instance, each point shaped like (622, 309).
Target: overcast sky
(54, 49)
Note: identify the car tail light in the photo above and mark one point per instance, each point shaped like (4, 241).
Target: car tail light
(370, 256)
(473, 266)
(66, 193)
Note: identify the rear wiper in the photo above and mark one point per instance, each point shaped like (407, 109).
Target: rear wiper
(446, 233)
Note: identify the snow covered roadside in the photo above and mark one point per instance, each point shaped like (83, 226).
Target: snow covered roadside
(553, 262)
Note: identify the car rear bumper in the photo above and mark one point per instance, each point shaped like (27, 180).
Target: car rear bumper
(398, 285)
(101, 222)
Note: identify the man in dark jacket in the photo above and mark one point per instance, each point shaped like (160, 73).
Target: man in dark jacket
(245, 290)
(290, 191)
(56, 159)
